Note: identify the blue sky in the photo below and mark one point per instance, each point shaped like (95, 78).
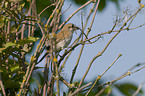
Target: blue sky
(129, 43)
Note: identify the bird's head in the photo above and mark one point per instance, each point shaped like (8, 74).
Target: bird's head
(71, 27)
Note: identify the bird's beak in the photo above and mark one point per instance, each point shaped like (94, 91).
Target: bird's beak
(76, 28)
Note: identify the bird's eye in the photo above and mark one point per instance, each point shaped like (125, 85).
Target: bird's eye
(72, 25)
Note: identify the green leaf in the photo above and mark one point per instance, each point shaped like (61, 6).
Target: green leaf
(14, 68)
(33, 38)
(127, 88)
(102, 5)
(10, 44)
(1, 49)
(21, 6)
(27, 40)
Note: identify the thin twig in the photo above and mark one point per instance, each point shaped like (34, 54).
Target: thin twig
(100, 54)
(103, 74)
(101, 91)
(46, 8)
(138, 89)
(2, 86)
(79, 89)
(87, 3)
(87, 34)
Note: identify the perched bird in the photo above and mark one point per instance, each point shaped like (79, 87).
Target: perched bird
(64, 37)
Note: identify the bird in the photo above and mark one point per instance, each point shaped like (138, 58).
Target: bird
(64, 37)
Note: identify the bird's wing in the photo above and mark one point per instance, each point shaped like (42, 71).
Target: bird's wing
(62, 35)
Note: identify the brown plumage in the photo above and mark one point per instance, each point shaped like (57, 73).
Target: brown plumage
(64, 37)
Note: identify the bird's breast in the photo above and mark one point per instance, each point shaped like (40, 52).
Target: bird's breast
(65, 42)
